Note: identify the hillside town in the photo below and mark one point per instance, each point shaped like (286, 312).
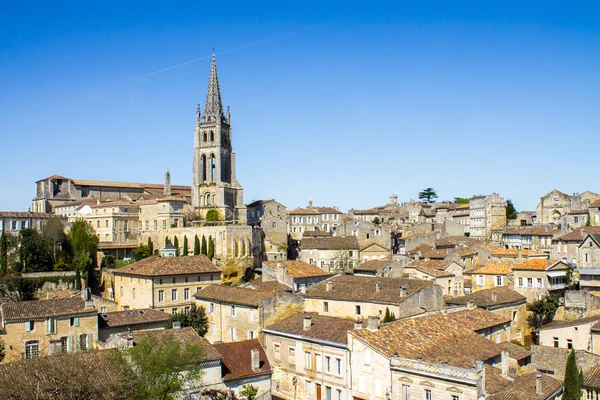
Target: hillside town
(411, 299)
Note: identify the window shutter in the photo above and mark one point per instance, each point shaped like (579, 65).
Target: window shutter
(27, 326)
(76, 321)
(70, 344)
(89, 341)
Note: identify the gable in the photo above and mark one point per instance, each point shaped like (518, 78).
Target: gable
(374, 247)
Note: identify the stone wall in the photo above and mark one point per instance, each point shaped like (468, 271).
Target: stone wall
(554, 360)
(580, 304)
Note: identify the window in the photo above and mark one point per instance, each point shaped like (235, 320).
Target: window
(186, 310)
(233, 311)
(455, 397)
(307, 360)
(31, 349)
(250, 315)
(121, 291)
(428, 394)
(325, 306)
(569, 343)
(161, 296)
(338, 366)
(211, 308)
(309, 389)
(133, 293)
(50, 325)
(213, 329)
(186, 294)
(539, 282)
(521, 282)
(233, 333)
(327, 364)
(277, 351)
(106, 224)
(518, 333)
(357, 310)
(74, 321)
(498, 280)
(83, 342)
(155, 224)
(338, 394)
(29, 325)
(514, 316)
(480, 280)
(530, 282)
(62, 345)
(292, 355)
(367, 356)
(164, 224)
(555, 340)
(318, 363)
(174, 294)
(173, 311)
(405, 392)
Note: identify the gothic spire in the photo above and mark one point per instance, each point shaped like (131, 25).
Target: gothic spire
(214, 108)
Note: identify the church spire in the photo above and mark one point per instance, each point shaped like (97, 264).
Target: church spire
(213, 109)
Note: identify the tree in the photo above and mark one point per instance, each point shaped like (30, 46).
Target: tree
(428, 195)
(196, 318)
(249, 392)
(376, 220)
(204, 249)
(82, 238)
(176, 242)
(3, 254)
(142, 251)
(572, 382)
(185, 246)
(167, 241)
(161, 366)
(54, 233)
(211, 248)
(511, 211)
(34, 253)
(196, 245)
(543, 310)
(213, 215)
(150, 245)
(461, 200)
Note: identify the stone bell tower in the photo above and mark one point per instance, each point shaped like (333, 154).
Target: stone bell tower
(214, 184)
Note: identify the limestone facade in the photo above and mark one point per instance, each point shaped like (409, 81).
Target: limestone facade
(486, 214)
(14, 222)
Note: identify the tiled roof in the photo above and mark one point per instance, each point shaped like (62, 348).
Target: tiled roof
(596, 328)
(496, 251)
(536, 264)
(515, 351)
(435, 254)
(437, 264)
(132, 317)
(595, 204)
(233, 295)
(127, 185)
(533, 231)
(308, 234)
(565, 324)
(577, 235)
(298, 269)
(493, 269)
(592, 379)
(22, 310)
(182, 336)
(363, 288)
(258, 203)
(322, 327)
(465, 252)
(166, 266)
(330, 243)
(437, 339)
(438, 273)
(523, 388)
(490, 297)
(237, 359)
(444, 243)
(26, 214)
(120, 202)
(373, 265)
(304, 211)
(273, 286)
(494, 380)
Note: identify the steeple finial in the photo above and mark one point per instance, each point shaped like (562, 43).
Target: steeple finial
(213, 110)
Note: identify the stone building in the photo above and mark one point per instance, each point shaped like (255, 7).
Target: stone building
(535, 238)
(267, 214)
(13, 222)
(117, 322)
(566, 247)
(163, 283)
(591, 384)
(296, 275)
(443, 272)
(490, 276)
(331, 254)
(556, 204)
(311, 218)
(214, 180)
(589, 263)
(486, 214)
(539, 276)
(576, 334)
(33, 329)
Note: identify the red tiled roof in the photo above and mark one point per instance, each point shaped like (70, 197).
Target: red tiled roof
(237, 359)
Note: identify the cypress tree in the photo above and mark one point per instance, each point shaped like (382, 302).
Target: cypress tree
(196, 245)
(176, 242)
(150, 246)
(387, 317)
(167, 241)
(203, 249)
(3, 254)
(392, 316)
(211, 247)
(185, 246)
(572, 382)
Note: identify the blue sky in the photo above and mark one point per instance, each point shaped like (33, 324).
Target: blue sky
(341, 102)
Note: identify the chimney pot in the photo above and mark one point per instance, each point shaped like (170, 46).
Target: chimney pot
(307, 322)
(358, 324)
(494, 296)
(377, 286)
(373, 323)
(329, 286)
(403, 291)
(504, 360)
(538, 384)
(255, 360)
(303, 288)
(176, 325)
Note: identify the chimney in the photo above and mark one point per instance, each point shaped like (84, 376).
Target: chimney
(504, 362)
(520, 256)
(402, 291)
(470, 305)
(255, 360)
(86, 295)
(309, 203)
(176, 325)
(538, 384)
(281, 271)
(494, 296)
(307, 322)
(480, 368)
(358, 324)
(377, 286)
(548, 262)
(167, 188)
(303, 288)
(329, 286)
(373, 323)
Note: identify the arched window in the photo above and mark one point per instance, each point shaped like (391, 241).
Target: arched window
(203, 162)
(204, 136)
(242, 248)
(213, 168)
(212, 136)
(208, 200)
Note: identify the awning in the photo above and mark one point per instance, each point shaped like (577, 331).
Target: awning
(554, 274)
(589, 271)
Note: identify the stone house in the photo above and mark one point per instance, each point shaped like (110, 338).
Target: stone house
(33, 329)
(535, 238)
(573, 220)
(245, 363)
(552, 361)
(440, 277)
(111, 323)
(162, 214)
(504, 302)
(357, 297)
(331, 254)
(237, 313)
(492, 254)
(366, 232)
(451, 267)
(71, 211)
(490, 276)
(313, 219)
(374, 251)
(310, 357)
(486, 214)
(576, 334)
(539, 276)
(566, 247)
(164, 283)
(594, 213)
(382, 268)
(13, 222)
(267, 214)
(591, 384)
(297, 275)
(589, 263)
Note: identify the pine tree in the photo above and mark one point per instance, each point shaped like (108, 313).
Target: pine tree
(3, 254)
(185, 246)
(392, 317)
(387, 317)
(176, 242)
(203, 249)
(167, 241)
(150, 245)
(572, 382)
(211, 248)
(196, 245)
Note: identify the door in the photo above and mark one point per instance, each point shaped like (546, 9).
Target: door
(318, 392)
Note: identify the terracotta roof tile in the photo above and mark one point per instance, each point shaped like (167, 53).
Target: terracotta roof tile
(564, 324)
(437, 264)
(532, 230)
(273, 286)
(298, 269)
(515, 351)
(523, 388)
(490, 297)
(577, 235)
(373, 265)
(330, 243)
(166, 266)
(322, 327)
(592, 379)
(233, 295)
(40, 309)
(536, 264)
(493, 269)
(182, 336)
(434, 272)
(132, 317)
(237, 359)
